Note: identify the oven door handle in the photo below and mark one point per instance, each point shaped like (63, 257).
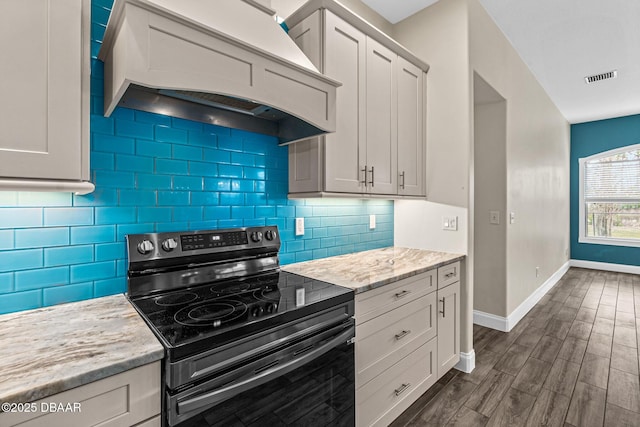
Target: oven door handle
(222, 394)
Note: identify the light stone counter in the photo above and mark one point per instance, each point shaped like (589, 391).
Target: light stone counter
(363, 271)
(53, 349)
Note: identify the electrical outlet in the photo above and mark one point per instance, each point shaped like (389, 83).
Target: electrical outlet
(372, 222)
(494, 217)
(299, 226)
(512, 218)
(450, 223)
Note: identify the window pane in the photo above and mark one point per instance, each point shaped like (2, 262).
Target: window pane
(616, 220)
(618, 179)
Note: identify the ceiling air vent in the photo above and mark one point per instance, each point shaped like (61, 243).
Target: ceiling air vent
(604, 76)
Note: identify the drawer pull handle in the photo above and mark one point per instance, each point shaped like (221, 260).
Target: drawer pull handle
(453, 273)
(401, 389)
(402, 335)
(402, 294)
(443, 307)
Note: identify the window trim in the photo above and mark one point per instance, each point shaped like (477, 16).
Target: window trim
(582, 237)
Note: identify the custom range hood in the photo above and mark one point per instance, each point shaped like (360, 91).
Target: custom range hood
(224, 62)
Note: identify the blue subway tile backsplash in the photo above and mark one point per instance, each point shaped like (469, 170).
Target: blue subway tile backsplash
(156, 173)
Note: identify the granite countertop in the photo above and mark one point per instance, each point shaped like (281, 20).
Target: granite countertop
(53, 349)
(363, 271)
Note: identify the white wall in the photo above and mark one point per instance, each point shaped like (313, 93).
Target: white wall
(418, 224)
(537, 160)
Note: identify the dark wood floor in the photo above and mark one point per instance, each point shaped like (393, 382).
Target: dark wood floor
(572, 361)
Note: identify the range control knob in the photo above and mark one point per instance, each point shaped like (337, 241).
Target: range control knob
(256, 236)
(271, 307)
(145, 247)
(270, 234)
(257, 311)
(169, 244)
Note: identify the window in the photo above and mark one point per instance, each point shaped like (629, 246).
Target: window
(610, 197)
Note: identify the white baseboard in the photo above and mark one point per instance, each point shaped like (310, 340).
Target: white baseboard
(505, 324)
(489, 320)
(467, 362)
(606, 266)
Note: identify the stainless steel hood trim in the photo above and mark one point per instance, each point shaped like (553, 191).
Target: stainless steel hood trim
(154, 101)
(149, 46)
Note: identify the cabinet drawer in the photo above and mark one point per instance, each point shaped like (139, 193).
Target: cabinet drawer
(448, 274)
(385, 397)
(120, 400)
(385, 340)
(378, 301)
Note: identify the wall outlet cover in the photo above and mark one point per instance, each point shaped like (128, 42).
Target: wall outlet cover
(372, 222)
(299, 226)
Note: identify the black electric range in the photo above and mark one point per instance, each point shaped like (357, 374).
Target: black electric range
(231, 321)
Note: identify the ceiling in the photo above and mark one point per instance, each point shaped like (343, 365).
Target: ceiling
(562, 42)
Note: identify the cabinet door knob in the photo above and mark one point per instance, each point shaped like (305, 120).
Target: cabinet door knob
(402, 335)
(401, 389)
(402, 176)
(443, 307)
(372, 177)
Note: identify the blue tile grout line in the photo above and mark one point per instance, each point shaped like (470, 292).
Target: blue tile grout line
(155, 173)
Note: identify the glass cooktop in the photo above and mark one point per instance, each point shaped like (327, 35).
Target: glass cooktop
(192, 318)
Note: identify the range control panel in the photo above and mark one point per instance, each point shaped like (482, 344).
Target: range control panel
(156, 246)
(213, 240)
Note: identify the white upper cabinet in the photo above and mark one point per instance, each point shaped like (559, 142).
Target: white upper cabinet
(378, 148)
(44, 115)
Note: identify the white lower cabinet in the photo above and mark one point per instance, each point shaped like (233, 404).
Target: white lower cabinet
(382, 399)
(131, 398)
(407, 336)
(387, 339)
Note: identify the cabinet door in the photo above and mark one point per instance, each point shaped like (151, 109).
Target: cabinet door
(382, 119)
(345, 151)
(448, 327)
(410, 129)
(41, 115)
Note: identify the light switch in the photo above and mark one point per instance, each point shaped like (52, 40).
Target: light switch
(372, 222)
(450, 223)
(494, 217)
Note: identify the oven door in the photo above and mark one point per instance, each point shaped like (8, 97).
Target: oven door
(308, 383)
